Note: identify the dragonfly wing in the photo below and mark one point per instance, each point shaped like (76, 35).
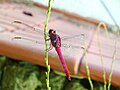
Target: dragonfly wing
(26, 39)
(73, 45)
(75, 41)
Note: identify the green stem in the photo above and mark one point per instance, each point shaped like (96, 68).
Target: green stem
(113, 60)
(46, 44)
(87, 70)
(111, 69)
(100, 51)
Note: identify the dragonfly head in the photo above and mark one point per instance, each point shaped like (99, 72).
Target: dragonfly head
(51, 31)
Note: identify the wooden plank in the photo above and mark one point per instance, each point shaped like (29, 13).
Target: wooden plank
(72, 52)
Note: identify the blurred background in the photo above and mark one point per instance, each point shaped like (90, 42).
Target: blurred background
(93, 9)
(22, 75)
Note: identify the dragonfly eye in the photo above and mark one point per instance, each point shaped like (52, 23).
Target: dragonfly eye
(54, 31)
(50, 31)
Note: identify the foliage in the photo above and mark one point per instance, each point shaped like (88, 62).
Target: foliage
(19, 75)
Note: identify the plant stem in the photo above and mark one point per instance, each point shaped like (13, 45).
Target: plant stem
(46, 44)
(113, 60)
(100, 51)
(87, 69)
(111, 69)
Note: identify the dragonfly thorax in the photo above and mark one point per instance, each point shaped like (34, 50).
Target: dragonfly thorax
(55, 40)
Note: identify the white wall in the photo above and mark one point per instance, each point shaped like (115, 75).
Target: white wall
(89, 8)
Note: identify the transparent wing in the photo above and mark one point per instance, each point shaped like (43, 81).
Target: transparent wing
(68, 42)
(74, 41)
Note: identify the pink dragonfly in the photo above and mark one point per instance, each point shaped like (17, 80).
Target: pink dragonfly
(56, 43)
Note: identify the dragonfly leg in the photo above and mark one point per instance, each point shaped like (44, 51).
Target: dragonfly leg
(50, 48)
(47, 39)
(83, 47)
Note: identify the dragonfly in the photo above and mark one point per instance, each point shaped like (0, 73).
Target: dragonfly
(55, 41)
